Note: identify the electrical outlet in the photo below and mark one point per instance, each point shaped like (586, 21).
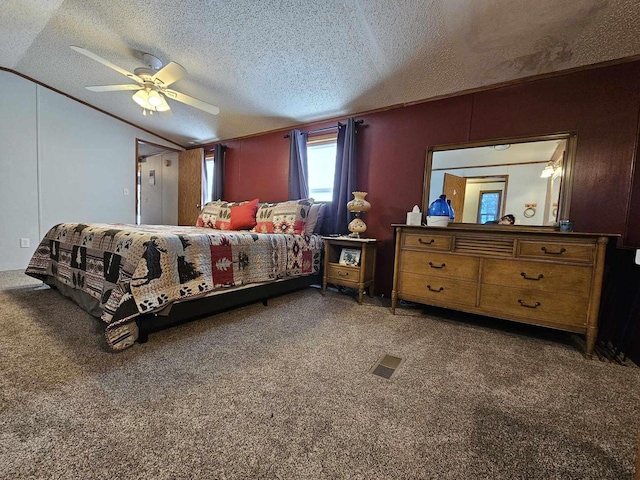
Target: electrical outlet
(125, 192)
(24, 243)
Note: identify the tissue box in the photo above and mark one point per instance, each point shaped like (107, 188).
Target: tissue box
(414, 218)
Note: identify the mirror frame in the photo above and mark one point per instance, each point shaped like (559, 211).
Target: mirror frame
(566, 186)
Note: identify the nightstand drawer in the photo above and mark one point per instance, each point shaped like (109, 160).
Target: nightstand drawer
(557, 251)
(570, 279)
(343, 273)
(546, 307)
(437, 289)
(440, 265)
(426, 241)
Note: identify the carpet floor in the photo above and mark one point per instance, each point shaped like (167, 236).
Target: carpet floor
(284, 391)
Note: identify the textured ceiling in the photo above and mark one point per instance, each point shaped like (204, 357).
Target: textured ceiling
(270, 64)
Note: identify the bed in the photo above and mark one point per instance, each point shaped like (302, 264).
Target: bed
(140, 278)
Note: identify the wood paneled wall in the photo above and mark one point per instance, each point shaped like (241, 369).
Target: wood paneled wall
(601, 105)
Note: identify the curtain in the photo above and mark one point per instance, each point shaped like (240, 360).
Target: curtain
(217, 183)
(298, 168)
(345, 178)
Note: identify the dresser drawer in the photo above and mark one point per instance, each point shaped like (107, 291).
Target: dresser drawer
(440, 265)
(561, 251)
(435, 289)
(533, 304)
(426, 241)
(570, 279)
(343, 273)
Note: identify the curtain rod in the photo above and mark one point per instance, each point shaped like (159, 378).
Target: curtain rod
(358, 122)
(211, 148)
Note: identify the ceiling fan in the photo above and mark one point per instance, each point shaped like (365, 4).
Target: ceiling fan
(152, 82)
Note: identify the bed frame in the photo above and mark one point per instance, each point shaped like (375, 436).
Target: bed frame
(182, 312)
(188, 310)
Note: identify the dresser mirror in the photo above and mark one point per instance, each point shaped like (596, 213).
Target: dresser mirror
(527, 177)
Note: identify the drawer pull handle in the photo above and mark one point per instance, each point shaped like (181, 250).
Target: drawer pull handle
(434, 290)
(521, 302)
(343, 274)
(435, 266)
(425, 243)
(539, 277)
(559, 252)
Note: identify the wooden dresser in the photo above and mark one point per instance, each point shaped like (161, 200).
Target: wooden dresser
(531, 275)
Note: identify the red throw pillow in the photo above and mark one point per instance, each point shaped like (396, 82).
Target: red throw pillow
(243, 217)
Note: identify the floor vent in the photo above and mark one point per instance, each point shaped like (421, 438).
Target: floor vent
(386, 366)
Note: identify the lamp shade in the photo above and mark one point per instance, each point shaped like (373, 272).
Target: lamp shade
(151, 100)
(141, 97)
(164, 106)
(154, 98)
(359, 204)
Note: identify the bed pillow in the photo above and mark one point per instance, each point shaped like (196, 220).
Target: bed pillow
(315, 218)
(237, 216)
(209, 214)
(283, 217)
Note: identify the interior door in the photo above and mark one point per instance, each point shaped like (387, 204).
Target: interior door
(454, 188)
(190, 165)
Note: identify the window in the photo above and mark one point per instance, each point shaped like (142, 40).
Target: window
(321, 161)
(207, 179)
(489, 205)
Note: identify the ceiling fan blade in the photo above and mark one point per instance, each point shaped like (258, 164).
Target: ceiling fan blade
(170, 73)
(106, 63)
(114, 88)
(194, 102)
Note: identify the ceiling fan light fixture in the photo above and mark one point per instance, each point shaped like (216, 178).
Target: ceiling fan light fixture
(151, 84)
(141, 97)
(154, 98)
(547, 171)
(164, 106)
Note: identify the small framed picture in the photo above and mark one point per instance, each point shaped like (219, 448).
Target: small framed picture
(350, 256)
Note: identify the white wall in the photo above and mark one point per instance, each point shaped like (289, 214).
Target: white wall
(159, 202)
(18, 170)
(60, 161)
(151, 193)
(170, 189)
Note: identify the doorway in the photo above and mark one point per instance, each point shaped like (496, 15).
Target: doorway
(156, 184)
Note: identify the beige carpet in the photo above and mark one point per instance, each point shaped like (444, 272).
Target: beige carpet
(284, 391)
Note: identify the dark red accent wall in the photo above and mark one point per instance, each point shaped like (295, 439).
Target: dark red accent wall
(601, 105)
(257, 167)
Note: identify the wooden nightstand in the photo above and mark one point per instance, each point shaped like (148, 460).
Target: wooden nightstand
(361, 274)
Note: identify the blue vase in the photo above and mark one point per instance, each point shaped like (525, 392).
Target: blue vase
(439, 207)
(452, 214)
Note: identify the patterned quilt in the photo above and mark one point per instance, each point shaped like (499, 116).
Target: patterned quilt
(137, 269)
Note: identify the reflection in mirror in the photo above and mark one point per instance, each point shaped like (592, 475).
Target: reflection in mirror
(528, 178)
